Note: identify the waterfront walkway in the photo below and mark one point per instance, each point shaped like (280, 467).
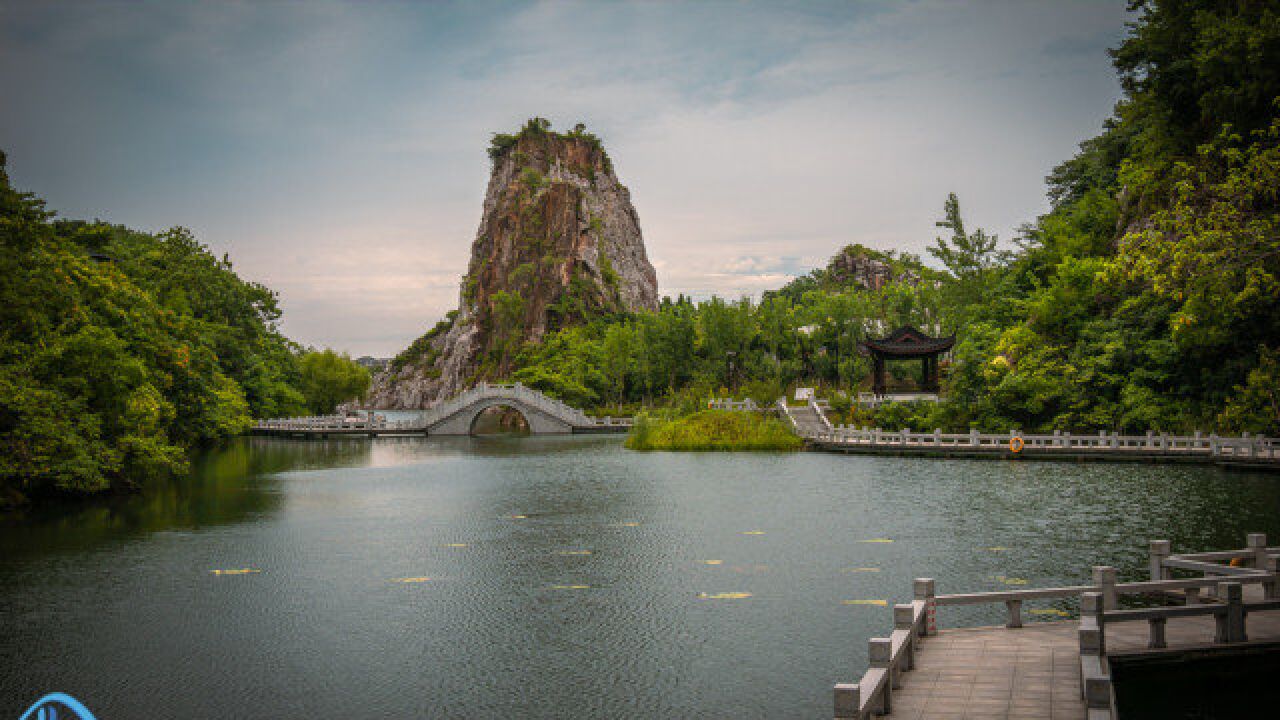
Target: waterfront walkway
(1033, 673)
(1060, 670)
(1246, 451)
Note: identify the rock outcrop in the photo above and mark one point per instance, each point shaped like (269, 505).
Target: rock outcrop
(856, 265)
(559, 243)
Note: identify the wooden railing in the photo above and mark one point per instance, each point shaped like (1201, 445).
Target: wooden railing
(1245, 446)
(1099, 604)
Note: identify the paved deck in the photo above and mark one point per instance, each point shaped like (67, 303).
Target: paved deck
(1033, 672)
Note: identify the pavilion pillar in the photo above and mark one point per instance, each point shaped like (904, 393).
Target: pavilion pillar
(877, 382)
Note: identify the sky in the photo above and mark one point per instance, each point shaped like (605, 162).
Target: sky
(336, 151)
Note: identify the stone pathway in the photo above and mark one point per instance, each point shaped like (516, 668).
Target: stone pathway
(1029, 673)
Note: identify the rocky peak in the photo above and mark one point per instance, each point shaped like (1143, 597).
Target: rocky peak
(559, 243)
(858, 265)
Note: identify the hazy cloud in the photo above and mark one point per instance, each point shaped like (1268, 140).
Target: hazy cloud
(336, 151)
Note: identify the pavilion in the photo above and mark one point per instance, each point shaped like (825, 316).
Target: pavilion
(907, 343)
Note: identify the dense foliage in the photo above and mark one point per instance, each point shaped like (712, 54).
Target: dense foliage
(689, 351)
(119, 350)
(1147, 298)
(715, 430)
(329, 378)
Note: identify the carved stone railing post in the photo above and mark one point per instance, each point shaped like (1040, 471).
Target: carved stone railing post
(848, 701)
(880, 655)
(1160, 551)
(1231, 622)
(1257, 544)
(1093, 639)
(1097, 692)
(925, 590)
(1156, 628)
(1104, 576)
(1015, 613)
(904, 619)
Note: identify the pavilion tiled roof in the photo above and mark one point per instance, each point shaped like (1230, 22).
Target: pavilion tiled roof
(906, 342)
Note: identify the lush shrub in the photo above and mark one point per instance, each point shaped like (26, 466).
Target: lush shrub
(713, 430)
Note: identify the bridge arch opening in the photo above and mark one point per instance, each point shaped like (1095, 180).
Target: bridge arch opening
(500, 421)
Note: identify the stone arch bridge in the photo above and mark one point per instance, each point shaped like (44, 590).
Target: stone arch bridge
(457, 415)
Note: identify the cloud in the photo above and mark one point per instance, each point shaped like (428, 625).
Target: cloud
(336, 151)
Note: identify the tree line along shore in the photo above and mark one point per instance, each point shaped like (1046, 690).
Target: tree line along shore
(1145, 298)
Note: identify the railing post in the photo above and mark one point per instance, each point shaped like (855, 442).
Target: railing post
(904, 619)
(925, 590)
(1105, 577)
(973, 436)
(1257, 542)
(1232, 593)
(1015, 613)
(1092, 633)
(1097, 692)
(1156, 627)
(1160, 551)
(848, 701)
(880, 653)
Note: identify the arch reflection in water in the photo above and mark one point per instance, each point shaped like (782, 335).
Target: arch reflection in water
(500, 420)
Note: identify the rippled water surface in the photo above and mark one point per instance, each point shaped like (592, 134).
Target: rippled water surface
(549, 577)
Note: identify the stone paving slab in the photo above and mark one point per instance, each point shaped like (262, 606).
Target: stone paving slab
(1028, 673)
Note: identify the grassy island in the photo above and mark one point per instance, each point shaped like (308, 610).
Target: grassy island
(720, 430)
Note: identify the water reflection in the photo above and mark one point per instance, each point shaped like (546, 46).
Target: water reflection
(553, 576)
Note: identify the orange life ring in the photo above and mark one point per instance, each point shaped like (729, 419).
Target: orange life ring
(1016, 444)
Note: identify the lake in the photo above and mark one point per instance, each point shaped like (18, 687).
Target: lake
(550, 577)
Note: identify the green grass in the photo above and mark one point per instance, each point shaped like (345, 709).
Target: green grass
(721, 430)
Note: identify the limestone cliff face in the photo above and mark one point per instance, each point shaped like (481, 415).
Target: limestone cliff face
(559, 243)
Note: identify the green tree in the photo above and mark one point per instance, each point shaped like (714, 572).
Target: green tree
(329, 378)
